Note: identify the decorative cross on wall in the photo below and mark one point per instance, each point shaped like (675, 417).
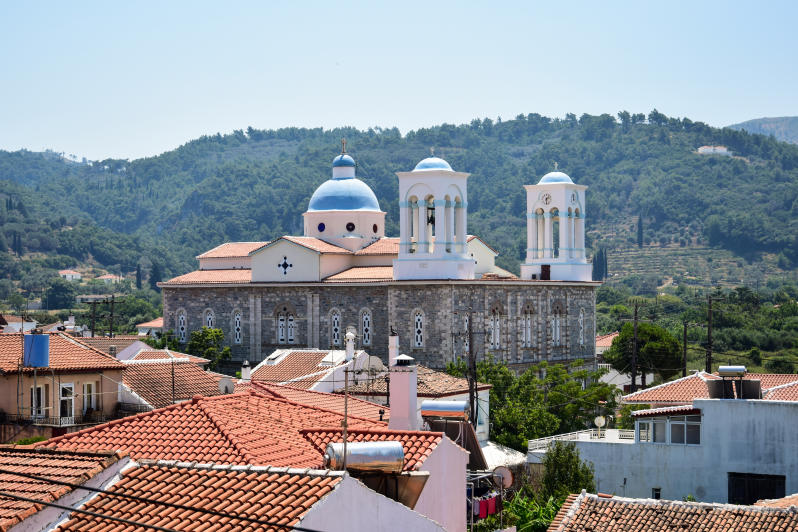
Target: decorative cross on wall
(284, 265)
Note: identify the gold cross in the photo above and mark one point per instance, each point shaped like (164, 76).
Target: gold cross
(343, 145)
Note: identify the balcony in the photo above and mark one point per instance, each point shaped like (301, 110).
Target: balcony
(62, 421)
(604, 436)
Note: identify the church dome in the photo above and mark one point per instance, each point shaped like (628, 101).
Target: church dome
(432, 163)
(344, 192)
(343, 160)
(555, 177)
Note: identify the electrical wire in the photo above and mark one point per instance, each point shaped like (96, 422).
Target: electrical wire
(154, 501)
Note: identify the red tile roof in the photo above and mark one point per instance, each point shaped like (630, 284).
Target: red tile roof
(783, 392)
(167, 354)
(157, 323)
(243, 428)
(269, 494)
(66, 354)
(685, 389)
(603, 512)
(383, 246)
(431, 383)
(68, 272)
(605, 340)
(362, 273)
(293, 366)
(331, 401)
(784, 502)
(103, 343)
(231, 250)
(680, 410)
(212, 277)
(164, 383)
(417, 444)
(315, 244)
(69, 466)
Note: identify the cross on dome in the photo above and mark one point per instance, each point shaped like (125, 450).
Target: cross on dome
(343, 145)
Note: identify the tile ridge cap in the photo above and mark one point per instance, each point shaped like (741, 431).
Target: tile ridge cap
(669, 383)
(694, 504)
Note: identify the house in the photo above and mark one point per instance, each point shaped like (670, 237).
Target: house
(738, 444)
(15, 324)
(69, 275)
(155, 383)
(110, 278)
(121, 346)
(604, 342)
(713, 150)
(164, 355)
(588, 511)
(51, 383)
(150, 328)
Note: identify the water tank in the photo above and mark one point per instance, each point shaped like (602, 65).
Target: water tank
(731, 371)
(37, 351)
(455, 410)
(366, 456)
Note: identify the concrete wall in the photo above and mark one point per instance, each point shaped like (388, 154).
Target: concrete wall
(225, 263)
(444, 495)
(304, 263)
(737, 436)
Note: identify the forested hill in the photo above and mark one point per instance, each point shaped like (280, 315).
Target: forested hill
(254, 185)
(783, 128)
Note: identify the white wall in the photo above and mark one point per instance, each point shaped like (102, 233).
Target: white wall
(444, 496)
(330, 264)
(225, 263)
(335, 230)
(352, 507)
(305, 263)
(484, 256)
(738, 436)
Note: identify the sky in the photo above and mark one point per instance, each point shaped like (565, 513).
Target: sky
(134, 79)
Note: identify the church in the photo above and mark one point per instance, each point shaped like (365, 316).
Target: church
(426, 285)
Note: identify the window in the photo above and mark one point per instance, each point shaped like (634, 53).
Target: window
(281, 328)
(418, 329)
(365, 327)
(67, 400)
(747, 488)
(291, 328)
(89, 397)
(494, 329)
(335, 327)
(37, 401)
(466, 339)
(686, 429)
(582, 327)
(350, 227)
(237, 327)
(181, 326)
(374, 228)
(526, 326)
(656, 493)
(210, 319)
(321, 227)
(556, 323)
(652, 431)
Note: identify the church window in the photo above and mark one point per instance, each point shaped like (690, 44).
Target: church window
(181, 326)
(557, 321)
(365, 327)
(582, 327)
(291, 328)
(281, 328)
(526, 326)
(466, 340)
(237, 328)
(335, 328)
(418, 329)
(374, 228)
(321, 227)
(350, 227)
(495, 327)
(210, 319)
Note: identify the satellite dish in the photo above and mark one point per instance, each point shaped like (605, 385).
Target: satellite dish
(502, 476)
(226, 385)
(600, 421)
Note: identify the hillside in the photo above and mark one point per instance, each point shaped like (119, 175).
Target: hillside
(784, 128)
(254, 184)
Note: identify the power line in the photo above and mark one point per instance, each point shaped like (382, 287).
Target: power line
(154, 501)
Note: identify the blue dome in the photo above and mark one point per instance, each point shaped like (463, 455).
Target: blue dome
(343, 194)
(555, 177)
(343, 160)
(432, 163)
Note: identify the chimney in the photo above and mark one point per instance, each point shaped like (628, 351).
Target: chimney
(350, 343)
(112, 350)
(393, 348)
(246, 371)
(404, 400)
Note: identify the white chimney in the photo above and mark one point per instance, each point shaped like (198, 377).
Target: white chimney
(350, 343)
(403, 394)
(246, 371)
(393, 348)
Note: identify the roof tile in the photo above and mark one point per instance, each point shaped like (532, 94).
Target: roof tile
(362, 273)
(162, 384)
(685, 389)
(212, 277)
(231, 250)
(430, 383)
(66, 354)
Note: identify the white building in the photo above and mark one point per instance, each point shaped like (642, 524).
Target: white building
(69, 275)
(713, 150)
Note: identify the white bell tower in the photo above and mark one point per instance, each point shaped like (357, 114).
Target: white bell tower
(433, 209)
(555, 221)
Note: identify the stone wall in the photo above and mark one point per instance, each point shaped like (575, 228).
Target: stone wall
(443, 305)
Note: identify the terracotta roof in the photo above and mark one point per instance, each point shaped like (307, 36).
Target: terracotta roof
(383, 246)
(212, 276)
(66, 354)
(685, 389)
(157, 323)
(110, 276)
(431, 383)
(232, 250)
(784, 392)
(292, 366)
(604, 512)
(680, 410)
(167, 354)
(316, 244)
(68, 272)
(269, 494)
(68, 466)
(330, 401)
(784, 502)
(417, 444)
(103, 343)
(605, 340)
(164, 383)
(243, 428)
(363, 273)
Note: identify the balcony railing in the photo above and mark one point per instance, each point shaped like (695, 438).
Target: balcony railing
(606, 435)
(61, 421)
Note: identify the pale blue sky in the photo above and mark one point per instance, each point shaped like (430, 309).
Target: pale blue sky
(131, 79)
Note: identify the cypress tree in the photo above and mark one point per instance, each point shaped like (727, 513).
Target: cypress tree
(640, 231)
(604, 269)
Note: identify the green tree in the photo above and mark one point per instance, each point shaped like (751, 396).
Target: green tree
(564, 472)
(640, 231)
(657, 351)
(156, 276)
(17, 302)
(60, 294)
(207, 343)
(138, 276)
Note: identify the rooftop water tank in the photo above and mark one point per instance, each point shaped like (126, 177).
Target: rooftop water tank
(37, 351)
(455, 410)
(366, 456)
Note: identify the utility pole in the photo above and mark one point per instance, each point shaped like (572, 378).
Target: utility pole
(93, 315)
(346, 411)
(684, 349)
(709, 331)
(634, 354)
(472, 369)
(111, 332)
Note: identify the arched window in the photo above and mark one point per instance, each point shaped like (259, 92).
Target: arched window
(418, 329)
(526, 326)
(335, 327)
(495, 327)
(182, 326)
(582, 327)
(365, 326)
(237, 327)
(290, 328)
(466, 339)
(281, 328)
(210, 319)
(557, 322)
